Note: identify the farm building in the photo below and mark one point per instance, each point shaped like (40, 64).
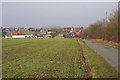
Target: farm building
(59, 36)
(20, 35)
(47, 36)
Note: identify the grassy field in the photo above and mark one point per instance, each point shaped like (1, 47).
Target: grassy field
(43, 58)
(52, 58)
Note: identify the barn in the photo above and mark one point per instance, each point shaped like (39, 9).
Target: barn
(20, 35)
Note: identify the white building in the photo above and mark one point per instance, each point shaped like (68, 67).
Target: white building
(20, 35)
(23, 36)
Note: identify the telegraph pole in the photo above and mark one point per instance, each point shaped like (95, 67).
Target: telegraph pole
(106, 20)
(105, 26)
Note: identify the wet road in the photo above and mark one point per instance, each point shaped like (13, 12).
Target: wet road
(108, 53)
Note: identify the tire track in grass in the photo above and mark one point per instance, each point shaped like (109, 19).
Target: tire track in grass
(89, 75)
(71, 72)
(78, 63)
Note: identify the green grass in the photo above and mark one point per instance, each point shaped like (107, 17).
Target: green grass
(100, 68)
(51, 58)
(42, 58)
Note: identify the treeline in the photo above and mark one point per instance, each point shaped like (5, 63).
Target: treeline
(104, 29)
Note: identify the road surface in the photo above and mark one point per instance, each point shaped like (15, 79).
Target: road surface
(108, 53)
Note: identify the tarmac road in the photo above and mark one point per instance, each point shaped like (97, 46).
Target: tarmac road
(108, 53)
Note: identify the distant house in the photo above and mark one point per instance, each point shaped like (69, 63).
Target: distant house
(51, 31)
(68, 29)
(59, 36)
(72, 29)
(20, 35)
(77, 32)
(47, 36)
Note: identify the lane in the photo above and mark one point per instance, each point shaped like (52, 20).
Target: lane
(108, 53)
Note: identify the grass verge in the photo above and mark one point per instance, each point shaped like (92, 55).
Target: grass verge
(99, 67)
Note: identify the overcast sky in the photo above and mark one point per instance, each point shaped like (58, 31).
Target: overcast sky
(40, 14)
(60, 0)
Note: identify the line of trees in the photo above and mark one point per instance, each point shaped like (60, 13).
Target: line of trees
(106, 30)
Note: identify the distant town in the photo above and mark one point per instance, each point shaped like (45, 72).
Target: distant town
(67, 32)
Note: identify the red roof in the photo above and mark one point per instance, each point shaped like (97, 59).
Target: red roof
(77, 32)
(16, 33)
